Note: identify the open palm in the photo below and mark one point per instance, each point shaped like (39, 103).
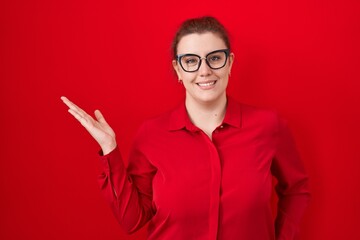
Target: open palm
(98, 128)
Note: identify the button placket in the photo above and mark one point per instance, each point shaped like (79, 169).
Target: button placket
(215, 186)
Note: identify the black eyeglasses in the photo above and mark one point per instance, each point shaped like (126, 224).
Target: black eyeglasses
(192, 62)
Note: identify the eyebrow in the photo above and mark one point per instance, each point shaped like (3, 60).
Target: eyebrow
(221, 49)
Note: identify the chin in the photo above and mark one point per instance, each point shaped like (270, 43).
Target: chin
(209, 97)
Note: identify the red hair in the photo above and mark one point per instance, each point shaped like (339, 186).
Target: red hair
(200, 25)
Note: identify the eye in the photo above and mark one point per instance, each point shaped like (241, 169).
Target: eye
(190, 60)
(215, 58)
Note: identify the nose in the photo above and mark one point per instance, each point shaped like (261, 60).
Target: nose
(204, 69)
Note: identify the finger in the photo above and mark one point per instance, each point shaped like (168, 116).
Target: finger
(99, 116)
(86, 122)
(70, 104)
(76, 115)
(73, 106)
(66, 101)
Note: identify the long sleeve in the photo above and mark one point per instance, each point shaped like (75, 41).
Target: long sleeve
(128, 191)
(189, 187)
(292, 187)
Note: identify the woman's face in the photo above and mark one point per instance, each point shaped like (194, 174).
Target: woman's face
(205, 85)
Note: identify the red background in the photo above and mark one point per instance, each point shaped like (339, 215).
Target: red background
(298, 57)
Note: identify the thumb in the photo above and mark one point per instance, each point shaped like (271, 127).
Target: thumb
(99, 116)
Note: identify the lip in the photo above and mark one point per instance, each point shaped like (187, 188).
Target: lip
(206, 85)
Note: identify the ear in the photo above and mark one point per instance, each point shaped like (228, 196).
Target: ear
(176, 68)
(231, 60)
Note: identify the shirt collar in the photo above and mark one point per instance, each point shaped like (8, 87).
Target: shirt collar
(233, 115)
(179, 118)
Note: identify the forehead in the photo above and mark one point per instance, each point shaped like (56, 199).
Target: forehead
(200, 44)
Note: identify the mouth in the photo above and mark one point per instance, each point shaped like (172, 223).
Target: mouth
(207, 84)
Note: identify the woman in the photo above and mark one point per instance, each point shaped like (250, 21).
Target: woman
(203, 170)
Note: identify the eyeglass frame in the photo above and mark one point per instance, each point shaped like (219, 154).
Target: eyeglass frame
(180, 56)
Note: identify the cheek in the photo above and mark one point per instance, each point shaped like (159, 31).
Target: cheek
(224, 75)
(188, 78)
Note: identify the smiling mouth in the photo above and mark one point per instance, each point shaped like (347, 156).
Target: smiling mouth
(207, 84)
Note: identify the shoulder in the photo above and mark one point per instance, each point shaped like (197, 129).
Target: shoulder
(155, 125)
(262, 121)
(160, 121)
(259, 117)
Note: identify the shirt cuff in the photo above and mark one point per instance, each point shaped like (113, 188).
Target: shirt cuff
(112, 161)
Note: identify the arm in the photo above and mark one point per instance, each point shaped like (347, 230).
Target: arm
(128, 191)
(292, 187)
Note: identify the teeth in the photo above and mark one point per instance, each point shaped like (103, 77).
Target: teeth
(206, 84)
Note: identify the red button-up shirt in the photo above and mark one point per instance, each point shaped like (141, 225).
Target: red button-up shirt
(191, 187)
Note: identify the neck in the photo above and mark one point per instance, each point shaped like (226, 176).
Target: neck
(206, 115)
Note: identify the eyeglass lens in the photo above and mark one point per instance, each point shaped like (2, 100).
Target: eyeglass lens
(192, 62)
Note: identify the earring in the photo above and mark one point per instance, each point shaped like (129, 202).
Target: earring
(179, 81)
